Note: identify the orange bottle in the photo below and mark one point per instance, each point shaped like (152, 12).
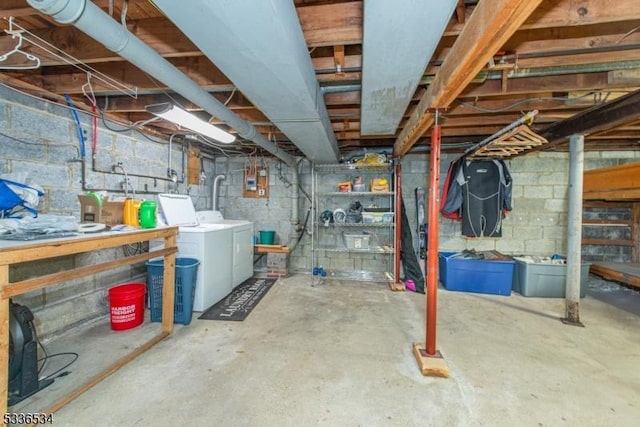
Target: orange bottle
(130, 213)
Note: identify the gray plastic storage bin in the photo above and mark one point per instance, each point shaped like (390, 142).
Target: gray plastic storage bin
(545, 280)
(356, 241)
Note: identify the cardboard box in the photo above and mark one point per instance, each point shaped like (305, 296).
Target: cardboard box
(111, 213)
(475, 275)
(545, 280)
(90, 210)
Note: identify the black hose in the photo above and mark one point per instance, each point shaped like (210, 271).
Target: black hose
(304, 227)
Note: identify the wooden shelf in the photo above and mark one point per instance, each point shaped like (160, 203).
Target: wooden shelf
(271, 249)
(617, 186)
(614, 183)
(626, 273)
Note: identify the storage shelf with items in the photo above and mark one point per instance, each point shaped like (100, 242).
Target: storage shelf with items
(354, 221)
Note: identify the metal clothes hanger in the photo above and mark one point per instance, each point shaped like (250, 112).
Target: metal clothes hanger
(16, 50)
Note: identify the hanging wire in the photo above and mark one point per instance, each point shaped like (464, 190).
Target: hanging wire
(525, 101)
(75, 62)
(164, 90)
(123, 13)
(126, 128)
(50, 144)
(90, 95)
(230, 96)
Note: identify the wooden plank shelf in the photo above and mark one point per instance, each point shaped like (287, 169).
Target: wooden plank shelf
(629, 274)
(614, 183)
(616, 187)
(271, 249)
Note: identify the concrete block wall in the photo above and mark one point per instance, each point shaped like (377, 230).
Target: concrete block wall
(39, 144)
(607, 252)
(537, 225)
(272, 213)
(39, 140)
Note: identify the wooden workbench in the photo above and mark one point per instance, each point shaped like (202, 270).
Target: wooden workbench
(18, 252)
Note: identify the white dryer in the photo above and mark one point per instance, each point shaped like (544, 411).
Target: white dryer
(242, 241)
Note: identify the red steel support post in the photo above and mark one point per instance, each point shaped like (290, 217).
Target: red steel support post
(398, 221)
(432, 239)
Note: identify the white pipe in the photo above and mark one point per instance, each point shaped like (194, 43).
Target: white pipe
(574, 229)
(214, 194)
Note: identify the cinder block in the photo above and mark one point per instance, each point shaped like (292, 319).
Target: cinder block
(278, 260)
(277, 265)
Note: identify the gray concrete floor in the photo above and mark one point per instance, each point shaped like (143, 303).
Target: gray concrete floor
(339, 354)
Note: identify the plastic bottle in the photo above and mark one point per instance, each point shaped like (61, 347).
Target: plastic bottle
(147, 214)
(130, 214)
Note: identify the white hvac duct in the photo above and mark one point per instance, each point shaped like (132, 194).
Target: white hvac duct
(91, 20)
(260, 47)
(399, 38)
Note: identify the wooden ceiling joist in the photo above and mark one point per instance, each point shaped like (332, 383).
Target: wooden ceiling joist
(488, 29)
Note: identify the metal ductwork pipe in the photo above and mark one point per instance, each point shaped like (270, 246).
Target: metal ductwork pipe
(214, 194)
(91, 20)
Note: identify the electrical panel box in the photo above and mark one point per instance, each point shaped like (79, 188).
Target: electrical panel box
(251, 182)
(256, 182)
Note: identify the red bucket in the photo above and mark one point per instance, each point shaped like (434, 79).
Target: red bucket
(126, 304)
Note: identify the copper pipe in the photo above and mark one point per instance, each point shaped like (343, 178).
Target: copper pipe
(432, 239)
(398, 222)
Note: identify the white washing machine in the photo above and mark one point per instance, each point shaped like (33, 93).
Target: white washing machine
(211, 244)
(242, 241)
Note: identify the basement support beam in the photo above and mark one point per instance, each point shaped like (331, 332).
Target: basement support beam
(611, 115)
(491, 25)
(574, 231)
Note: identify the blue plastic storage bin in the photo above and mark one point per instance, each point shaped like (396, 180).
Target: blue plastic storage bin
(475, 275)
(186, 272)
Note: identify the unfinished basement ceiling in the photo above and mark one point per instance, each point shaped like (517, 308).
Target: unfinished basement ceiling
(399, 39)
(305, 76)
(262, 51)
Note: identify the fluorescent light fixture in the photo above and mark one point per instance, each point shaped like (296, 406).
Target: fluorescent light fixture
(170, 112)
